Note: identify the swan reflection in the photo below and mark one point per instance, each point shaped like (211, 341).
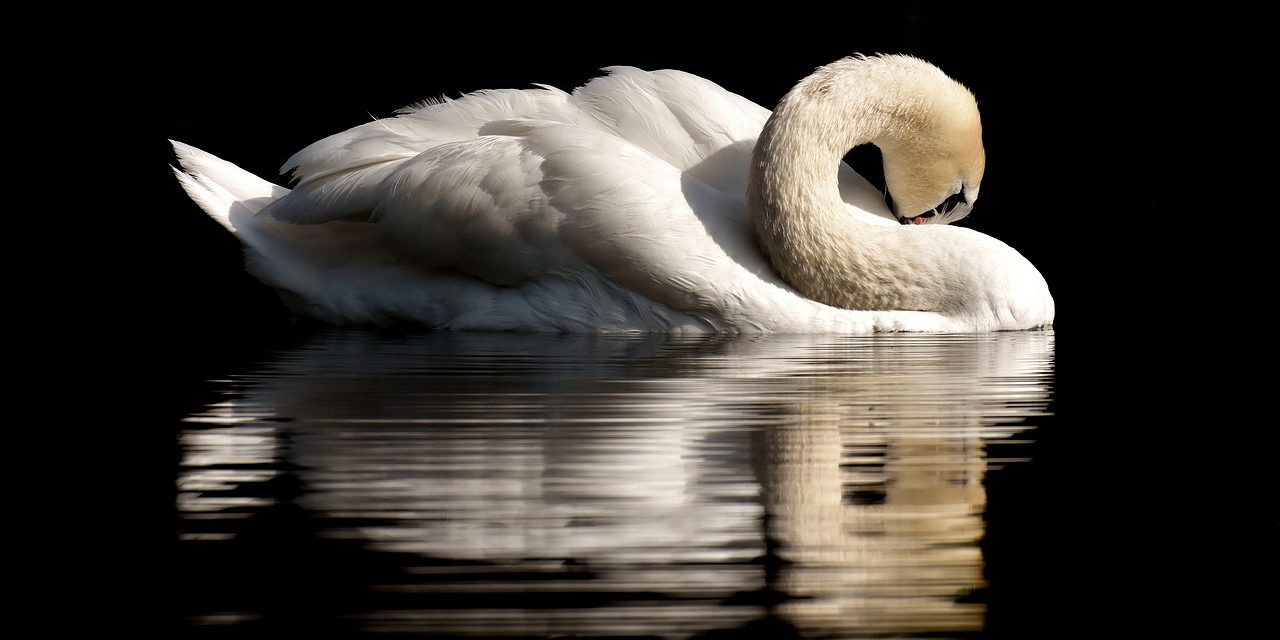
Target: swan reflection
(513, 485)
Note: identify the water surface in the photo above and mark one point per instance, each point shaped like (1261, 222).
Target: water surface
(535, 486)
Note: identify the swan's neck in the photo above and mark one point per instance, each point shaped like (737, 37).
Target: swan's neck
(801, 222)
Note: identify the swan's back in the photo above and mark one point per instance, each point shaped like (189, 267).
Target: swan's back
(679, 118)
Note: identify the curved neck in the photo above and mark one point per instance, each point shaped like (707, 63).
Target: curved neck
(795, 164)
(801, 223)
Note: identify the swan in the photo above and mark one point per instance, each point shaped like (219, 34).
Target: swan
(642, 201)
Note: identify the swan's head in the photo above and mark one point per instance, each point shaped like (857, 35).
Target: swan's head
(937, 187)
(931, 139)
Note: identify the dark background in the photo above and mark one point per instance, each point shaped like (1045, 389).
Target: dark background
(1075, 104)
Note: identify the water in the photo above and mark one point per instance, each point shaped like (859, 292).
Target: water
(541, 486)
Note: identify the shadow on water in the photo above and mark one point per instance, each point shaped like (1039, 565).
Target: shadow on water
(532, 486)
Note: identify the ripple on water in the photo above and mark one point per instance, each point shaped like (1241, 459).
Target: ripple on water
(461, 485)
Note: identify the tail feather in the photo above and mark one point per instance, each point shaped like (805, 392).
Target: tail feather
(338, 272)
(219, 186)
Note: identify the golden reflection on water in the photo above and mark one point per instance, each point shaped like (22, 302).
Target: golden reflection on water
(532, 486)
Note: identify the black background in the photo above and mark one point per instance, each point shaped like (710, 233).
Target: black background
(1075, 103)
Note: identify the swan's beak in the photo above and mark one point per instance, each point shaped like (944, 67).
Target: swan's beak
(950, 210)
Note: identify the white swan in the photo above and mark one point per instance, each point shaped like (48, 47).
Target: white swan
(628, 205)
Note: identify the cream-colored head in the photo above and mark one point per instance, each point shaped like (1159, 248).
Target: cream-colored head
(931, 139)
(926, 126)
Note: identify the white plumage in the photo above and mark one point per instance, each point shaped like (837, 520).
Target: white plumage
(619, 207)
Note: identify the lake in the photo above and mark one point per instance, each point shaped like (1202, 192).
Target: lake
(446, 485)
